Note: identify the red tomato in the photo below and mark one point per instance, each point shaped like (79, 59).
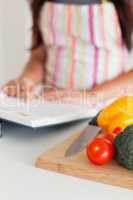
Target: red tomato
(100, 151)
(110, 137)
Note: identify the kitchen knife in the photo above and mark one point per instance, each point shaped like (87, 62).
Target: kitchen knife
(80, 143)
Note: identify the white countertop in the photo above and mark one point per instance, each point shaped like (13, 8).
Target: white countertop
(19, 179)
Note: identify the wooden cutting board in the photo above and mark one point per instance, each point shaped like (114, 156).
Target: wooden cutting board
(80, 166)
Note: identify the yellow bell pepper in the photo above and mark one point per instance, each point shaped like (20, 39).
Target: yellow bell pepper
(118, 114)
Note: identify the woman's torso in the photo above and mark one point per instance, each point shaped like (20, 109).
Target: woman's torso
(83, 42)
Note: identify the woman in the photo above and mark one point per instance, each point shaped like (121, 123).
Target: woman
(78, 46)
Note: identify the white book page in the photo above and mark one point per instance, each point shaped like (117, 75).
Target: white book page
(37, 113)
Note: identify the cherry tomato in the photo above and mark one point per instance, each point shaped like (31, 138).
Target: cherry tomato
(100, 151)
(110, 137)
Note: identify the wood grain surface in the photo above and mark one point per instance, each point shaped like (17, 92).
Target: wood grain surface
(80, 166)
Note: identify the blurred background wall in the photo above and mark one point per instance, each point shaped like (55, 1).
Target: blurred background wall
(15, 23)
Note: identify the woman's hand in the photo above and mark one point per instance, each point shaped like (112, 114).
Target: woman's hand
(33, 74)
(70, 97)
(21, 87)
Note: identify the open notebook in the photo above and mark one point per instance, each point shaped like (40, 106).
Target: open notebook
(37, 114)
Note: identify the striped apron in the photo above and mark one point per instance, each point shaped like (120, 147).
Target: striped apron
(83, 42)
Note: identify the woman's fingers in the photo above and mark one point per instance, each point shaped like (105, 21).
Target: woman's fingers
(26, 90)
(71, 97)
(26, 95)
(21, 88)
(26, 84)
(56, 95)
(10, 88)
(49, 96)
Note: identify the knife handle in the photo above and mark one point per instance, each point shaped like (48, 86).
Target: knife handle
(94, 120)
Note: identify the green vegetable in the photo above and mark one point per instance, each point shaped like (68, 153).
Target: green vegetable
(124, 148)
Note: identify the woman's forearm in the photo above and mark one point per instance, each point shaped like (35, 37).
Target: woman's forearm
(35, 67)
(115, 88)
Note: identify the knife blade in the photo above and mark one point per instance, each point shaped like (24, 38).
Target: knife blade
(80, 143)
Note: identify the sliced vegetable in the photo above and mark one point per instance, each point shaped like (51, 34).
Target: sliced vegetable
(100, 151)
(119, 113)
